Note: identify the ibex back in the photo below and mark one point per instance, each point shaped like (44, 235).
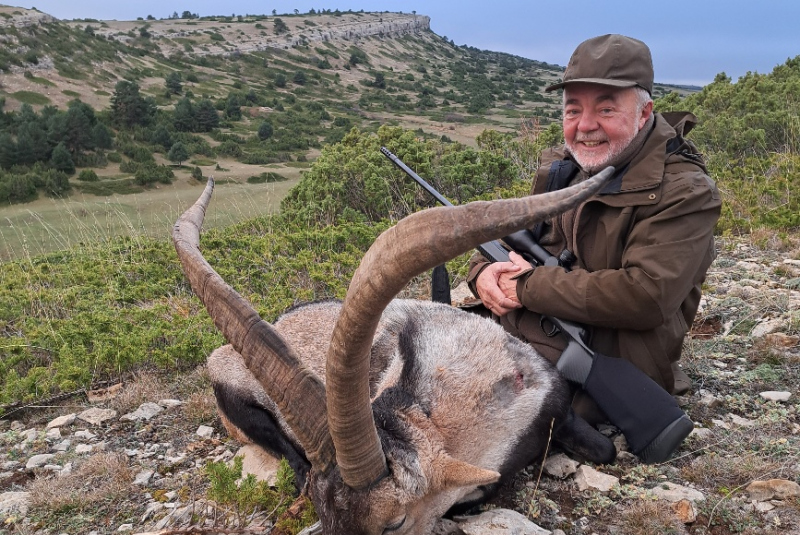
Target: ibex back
(395, 410)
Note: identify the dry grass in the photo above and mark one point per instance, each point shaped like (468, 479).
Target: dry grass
(145, 386)
(100, 478)
(649, 518)
(200, 408)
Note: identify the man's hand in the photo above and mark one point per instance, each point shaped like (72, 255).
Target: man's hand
(496, 287)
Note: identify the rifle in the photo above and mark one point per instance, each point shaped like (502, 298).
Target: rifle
(649, 417)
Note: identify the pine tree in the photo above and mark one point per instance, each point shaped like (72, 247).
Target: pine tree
(128, 107)
(183, 118)
(206, 115)
(178, 153)
(8, 151)
(265, 130)
(173, 83)
(62, 159)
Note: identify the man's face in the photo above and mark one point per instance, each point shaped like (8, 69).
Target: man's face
(600, 122)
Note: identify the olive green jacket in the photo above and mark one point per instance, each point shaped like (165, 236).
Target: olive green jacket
(643, 246)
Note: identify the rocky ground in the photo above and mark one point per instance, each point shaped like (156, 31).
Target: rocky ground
(131, 458)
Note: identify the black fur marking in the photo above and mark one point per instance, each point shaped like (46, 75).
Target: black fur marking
(410, 376)
(261, 427)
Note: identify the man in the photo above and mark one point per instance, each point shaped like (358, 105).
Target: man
(639, 249)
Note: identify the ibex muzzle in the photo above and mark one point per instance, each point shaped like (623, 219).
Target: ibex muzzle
(397, 410)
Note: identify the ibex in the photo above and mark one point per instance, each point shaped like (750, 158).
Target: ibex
(395, 410)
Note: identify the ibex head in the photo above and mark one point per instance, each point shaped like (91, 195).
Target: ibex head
(377, 466)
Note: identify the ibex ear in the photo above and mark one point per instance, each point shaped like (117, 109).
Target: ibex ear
(455, 473)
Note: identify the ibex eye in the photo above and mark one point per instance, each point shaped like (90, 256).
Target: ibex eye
(395, 525)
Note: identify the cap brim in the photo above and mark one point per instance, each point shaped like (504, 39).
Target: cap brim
(598, 81)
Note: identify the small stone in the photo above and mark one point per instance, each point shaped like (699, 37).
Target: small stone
(685, 511)
(143, 478)
(81, 449)
(672, 493)
(499, 522)
(85, 434)
(62, 421)
(766, 327)
(627, 457)
(776, 395)
(205, 431)
(170, 403)
(560, 466)
(782, 340)
(152, 509)
(37, 461)
(125, 527)
(701, 433)
(258, 462)
(53, 434)
(721, 423)
(62, 446)
(763, 507)
(14, 502)
(16, 426)
(587, 477)
(29, 435)
(144, 412)
(742, 422)
(710, 401)
(780, 489)
(96, 416)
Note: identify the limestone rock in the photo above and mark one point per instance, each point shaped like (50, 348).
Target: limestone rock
(772, 395)
(673, 493)
(587, 477)
(97, 416)
(499, 522)
(685, 511)
(205, 431)
(62, 421)
(144, 412)
(258, 462)
(14, 502)
(37, 461)
(778, 489)
(560, 466)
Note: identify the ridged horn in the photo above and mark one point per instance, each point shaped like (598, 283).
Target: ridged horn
(415, 244)
(298, 393)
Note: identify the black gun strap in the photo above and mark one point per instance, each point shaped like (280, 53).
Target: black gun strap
(560, 175)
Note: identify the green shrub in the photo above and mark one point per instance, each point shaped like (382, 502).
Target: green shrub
(87, 175)
(265, 177)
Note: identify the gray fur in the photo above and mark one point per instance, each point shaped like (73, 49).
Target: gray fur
(475, 391)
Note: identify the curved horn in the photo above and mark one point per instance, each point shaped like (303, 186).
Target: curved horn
(417, 243)
(299, 394)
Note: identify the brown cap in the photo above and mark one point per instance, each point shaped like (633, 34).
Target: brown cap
(613, 60)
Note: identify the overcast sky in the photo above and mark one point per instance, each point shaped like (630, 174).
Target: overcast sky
(691, 41)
